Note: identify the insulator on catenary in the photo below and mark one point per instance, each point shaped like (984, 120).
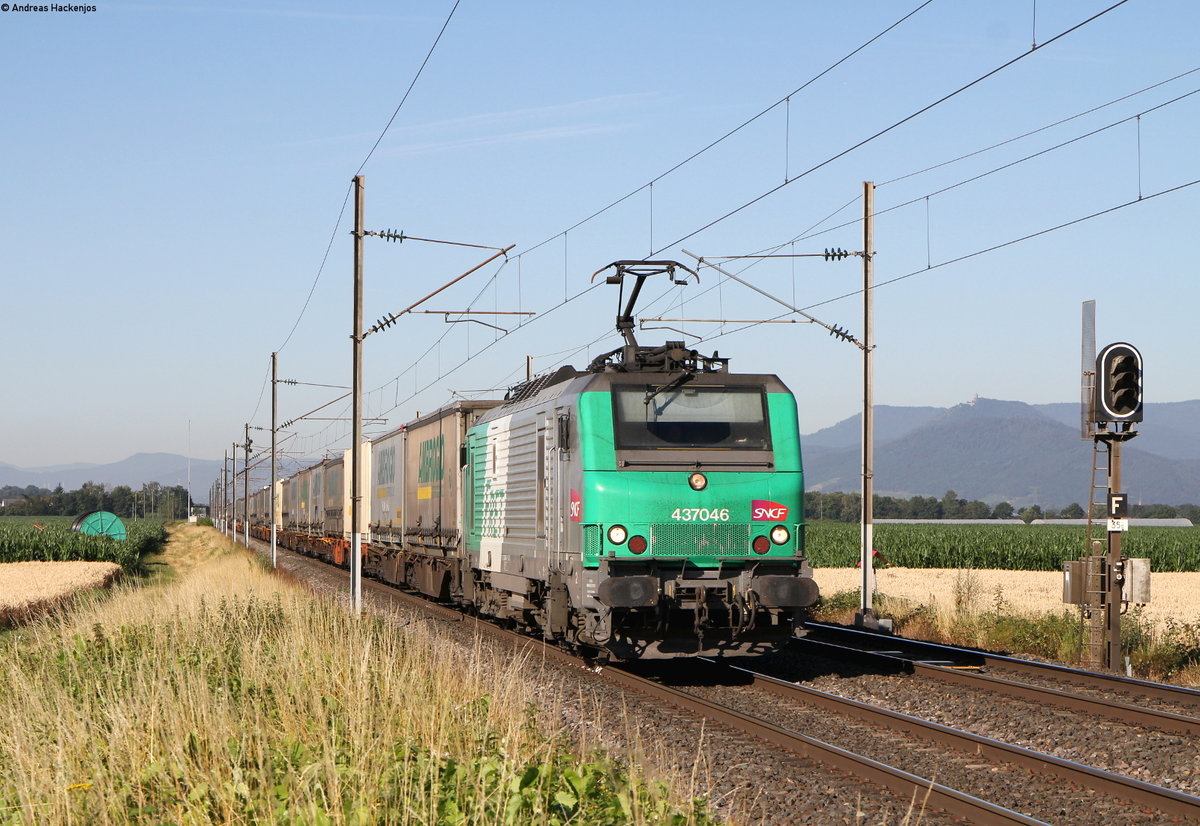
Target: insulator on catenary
(835, 254)
(392, 235)
(384, 323)
(840, 332)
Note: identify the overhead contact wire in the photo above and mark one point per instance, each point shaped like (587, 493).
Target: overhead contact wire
(888, 129)
(407, 92)
(349, 189)
(731, 132)
(1139, 200)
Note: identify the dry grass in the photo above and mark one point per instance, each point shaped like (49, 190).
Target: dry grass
(30, 589)
(227, 696)
(1173, 595)
(1023, 612)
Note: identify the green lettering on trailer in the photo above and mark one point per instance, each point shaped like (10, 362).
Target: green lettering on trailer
(430, 466)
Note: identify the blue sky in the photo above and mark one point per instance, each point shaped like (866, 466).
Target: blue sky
(173, 174)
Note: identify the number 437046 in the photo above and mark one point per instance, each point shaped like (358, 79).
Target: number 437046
(701, 514)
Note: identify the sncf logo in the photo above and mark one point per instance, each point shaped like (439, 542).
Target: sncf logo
(763, 511)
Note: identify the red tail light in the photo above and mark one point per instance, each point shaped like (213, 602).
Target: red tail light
(638, 544)
(761, 544)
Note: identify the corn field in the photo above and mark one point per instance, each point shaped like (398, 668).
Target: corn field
(1008, 547)
(50, 539)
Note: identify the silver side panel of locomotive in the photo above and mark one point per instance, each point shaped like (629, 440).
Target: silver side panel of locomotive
(523, 470)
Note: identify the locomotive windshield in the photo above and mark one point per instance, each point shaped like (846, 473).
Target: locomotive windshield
(709, 418)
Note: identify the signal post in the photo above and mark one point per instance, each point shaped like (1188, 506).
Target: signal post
(1096, 582)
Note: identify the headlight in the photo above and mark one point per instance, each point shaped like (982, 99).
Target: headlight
(698, 481)
(617, 534)
(780, 535)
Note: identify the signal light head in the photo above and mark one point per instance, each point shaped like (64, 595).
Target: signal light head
(1118, 384)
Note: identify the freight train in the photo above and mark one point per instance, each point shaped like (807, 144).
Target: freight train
(648, 506)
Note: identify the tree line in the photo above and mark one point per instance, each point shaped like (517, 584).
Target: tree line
(847, 507)
(152, 501)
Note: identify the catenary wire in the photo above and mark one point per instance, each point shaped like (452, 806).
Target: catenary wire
(408, 91)
(328, 247)
(346, 199)
(1077, 115)
(262, 391)
(942, 190)
(731, 132)
(811, 233)
(887, 129)
(1107, 211)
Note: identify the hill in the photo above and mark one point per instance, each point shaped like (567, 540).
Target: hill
(141, 468)
(1000, 451)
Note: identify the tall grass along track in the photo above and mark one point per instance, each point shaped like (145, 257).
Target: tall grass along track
(231, 697)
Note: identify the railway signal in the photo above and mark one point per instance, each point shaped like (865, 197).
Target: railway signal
(1119, 384)
(1102, 581)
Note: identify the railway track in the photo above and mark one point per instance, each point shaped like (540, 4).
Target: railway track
(1078, 783)
(1005, 757)
(1124, 699)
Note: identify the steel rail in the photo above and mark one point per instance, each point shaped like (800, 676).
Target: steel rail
(1115, 785)
(956, 803)
(1076, 676)
(1121, 712)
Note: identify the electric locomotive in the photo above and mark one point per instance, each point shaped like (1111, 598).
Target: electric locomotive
(650, 506)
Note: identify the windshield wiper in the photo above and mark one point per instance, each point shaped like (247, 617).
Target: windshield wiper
(680, 380)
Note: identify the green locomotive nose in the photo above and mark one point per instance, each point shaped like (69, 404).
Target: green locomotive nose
(691, 489)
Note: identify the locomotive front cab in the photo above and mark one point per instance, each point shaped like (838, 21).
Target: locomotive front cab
(692, 513)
